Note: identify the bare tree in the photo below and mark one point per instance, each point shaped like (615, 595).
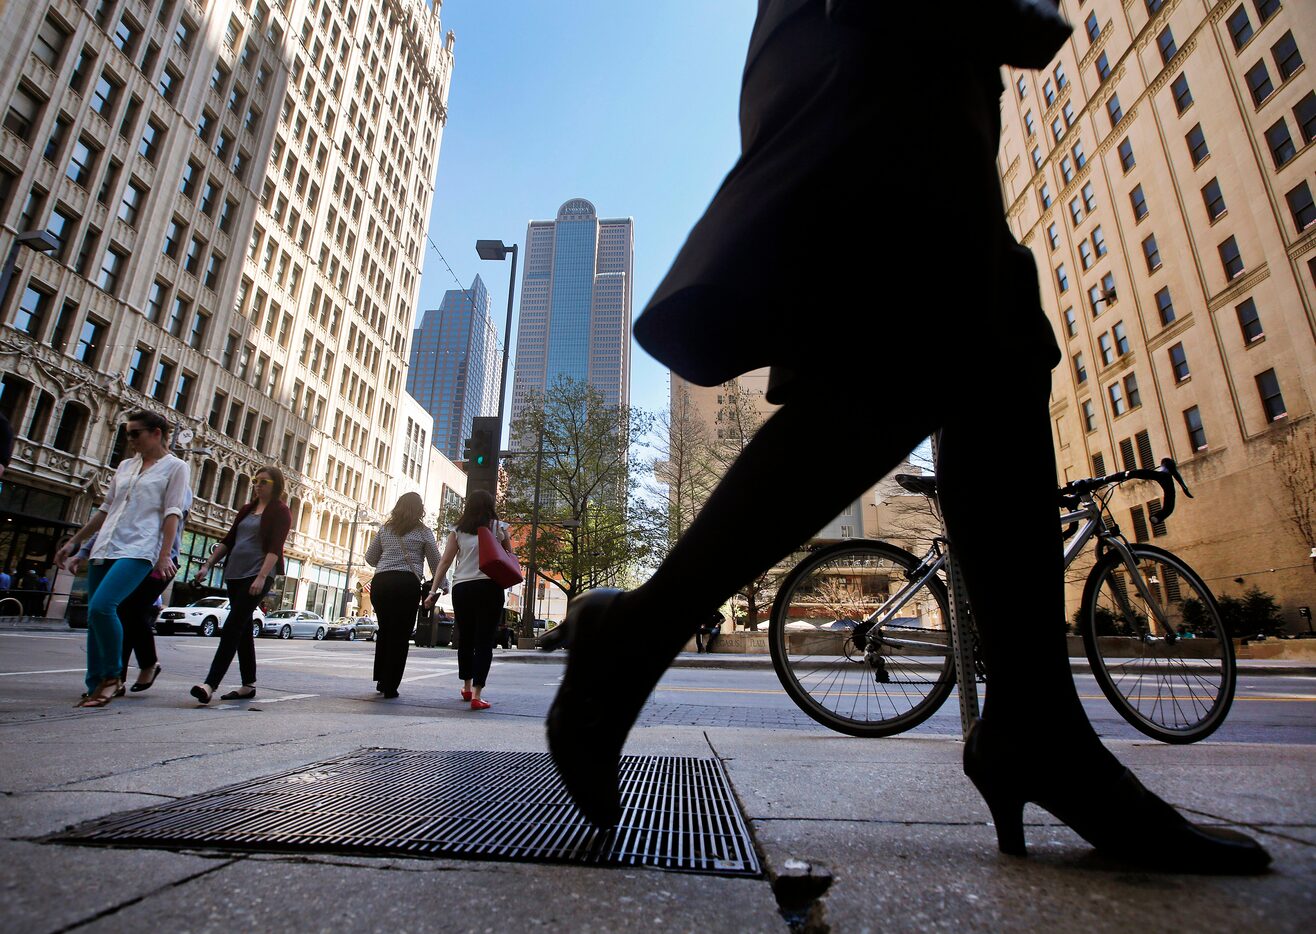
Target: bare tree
(1294, 456)
(684, 465)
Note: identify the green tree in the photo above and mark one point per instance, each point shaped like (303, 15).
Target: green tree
(594, 528)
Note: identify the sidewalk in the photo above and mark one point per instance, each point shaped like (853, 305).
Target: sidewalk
(903, 837)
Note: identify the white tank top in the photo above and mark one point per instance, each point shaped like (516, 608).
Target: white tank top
(467, 565)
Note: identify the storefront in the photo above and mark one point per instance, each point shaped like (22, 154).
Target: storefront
(324, 591)
(32, 526)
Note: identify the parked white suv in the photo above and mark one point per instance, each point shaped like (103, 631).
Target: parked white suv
(205, 617)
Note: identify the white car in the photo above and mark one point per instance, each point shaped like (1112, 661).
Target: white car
(205, 617)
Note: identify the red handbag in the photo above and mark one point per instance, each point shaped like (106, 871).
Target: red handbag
(496, 562)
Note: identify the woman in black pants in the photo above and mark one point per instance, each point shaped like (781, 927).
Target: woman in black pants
(254, 546)
(826, 161)
(399, 553)
(477, 601)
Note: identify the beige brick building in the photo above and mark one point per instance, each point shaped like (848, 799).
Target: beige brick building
(1161, 170)
(240, 193)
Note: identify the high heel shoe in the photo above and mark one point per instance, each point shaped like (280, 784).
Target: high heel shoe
(1107, 807)
(603, 690)
(146, 685)
(105, 692)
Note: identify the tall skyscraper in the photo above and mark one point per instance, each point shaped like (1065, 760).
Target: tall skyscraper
(1160, 169)
(576, 304)
(454, 365)
(239, 192)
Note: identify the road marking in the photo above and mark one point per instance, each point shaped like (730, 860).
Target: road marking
(439, 674)
(48, 671)
(279, 700)
(33, 635)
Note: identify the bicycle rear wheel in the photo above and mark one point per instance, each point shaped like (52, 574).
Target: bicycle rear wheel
(1173, 681)
(858, 678)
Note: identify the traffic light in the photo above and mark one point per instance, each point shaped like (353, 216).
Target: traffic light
(481, 454)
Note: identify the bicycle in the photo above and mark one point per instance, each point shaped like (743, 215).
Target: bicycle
(883, 662)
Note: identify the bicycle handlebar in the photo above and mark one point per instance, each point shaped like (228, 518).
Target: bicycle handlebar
(1167, 475)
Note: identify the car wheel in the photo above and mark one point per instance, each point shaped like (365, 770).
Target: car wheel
(319, 634)
(209, 627)
(255, 630)
(351, 635)
(285, 632)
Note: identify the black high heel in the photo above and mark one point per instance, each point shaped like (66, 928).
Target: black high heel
(602, 693)
(1110, 809)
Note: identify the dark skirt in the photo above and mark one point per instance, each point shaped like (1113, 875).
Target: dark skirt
(852, 225)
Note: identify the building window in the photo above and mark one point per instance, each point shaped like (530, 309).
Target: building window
(1287, 58)
(1044, 194)
(1258, 82)
(1231, 259)
(1022, 86)
(200, 325)
(1107, 348)
(1305, 113)
(1098, 464)
(152, 140)
(173, 240)
(1179, 363)
(1113, 108)
(30, 317)
(1272, 401)
(1139, 203)
(1301, 206)
(1139, 517)
(72, 426)
(1076, 211)
(24, 112)
(183, 395)
(1103, 68)
(164, 378)
(90, 339)
(1052, 236)
(1067, 169)
(1049, 92)
(1197, 147)
(1164, 306)
(105, 95)
(1192, 419)
(1213, 199)
(131, 206)
(1057, 129)
(1037, 157)
(1121, 335)
(1267, 8)
(1089, 197)
(1165, 42)
(62, 225)
(1099, 241)
(1280, 143)
(1080, 369)
(1029, 124)
(82, 162)
(1089, 416)
(1071, 322)
(111, 268)
(1080, 158)
(82, 69)
(138, 367)
(1127, 161)
(126, 35)
(51, 40)
(1249, 322)
(1152, 253)
(1090, 25)
(1085, 254)
(1240, 27)
(1131, 391)
(192, 262)
(59, 336)
(1062, 278)
(1183, 97)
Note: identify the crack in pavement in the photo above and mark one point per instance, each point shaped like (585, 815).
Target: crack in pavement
(115, 909)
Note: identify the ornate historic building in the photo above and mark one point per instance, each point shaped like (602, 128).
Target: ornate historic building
(237, 193)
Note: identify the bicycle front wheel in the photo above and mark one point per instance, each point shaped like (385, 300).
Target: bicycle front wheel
(1162, 657)
(856, 646)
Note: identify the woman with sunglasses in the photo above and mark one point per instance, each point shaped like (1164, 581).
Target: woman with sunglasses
(135, 527)
(254, 546)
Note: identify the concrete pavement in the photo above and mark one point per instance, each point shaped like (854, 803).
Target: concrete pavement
(902, 836)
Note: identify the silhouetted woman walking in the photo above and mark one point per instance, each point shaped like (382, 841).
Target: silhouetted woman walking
(477, 601)
(254, 546)
(399, 552)
(834, 158)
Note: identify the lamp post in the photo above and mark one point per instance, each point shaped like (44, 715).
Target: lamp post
(497, 250)
(351, 559)
(40, 240)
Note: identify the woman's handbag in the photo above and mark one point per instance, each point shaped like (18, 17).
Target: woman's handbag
(496, 562)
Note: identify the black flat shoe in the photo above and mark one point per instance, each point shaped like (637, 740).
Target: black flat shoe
(602, 693)
(1106, 805)
(243, 693)
(146, 685)
(202, 692)
(389, 695)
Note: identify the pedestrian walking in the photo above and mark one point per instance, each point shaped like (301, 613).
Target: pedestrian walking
(135, 526)
(137, 612)
(819, 162)
(399, 553)
(477, 601)
(254, 550)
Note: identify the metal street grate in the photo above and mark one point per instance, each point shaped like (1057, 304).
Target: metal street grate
(678, 813)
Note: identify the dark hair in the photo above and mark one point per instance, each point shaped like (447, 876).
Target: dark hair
(479, 512)
(152, 421)
(277, 476)
(407, 513)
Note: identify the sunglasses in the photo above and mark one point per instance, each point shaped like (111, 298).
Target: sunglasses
(261, 481)
(134, 432)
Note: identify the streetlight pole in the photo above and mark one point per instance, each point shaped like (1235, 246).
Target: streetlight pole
(497, 250)
(351, 559)
(528, 616)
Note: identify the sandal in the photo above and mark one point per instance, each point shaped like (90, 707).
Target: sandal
(202, 692)
(105, 692)
(246, 692)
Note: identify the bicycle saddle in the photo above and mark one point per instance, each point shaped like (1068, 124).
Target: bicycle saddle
(923, 485)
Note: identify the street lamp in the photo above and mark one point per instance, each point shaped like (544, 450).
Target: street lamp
(497, 250)
(351, 559)
(43, 241)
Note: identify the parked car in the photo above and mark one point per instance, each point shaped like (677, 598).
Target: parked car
(289, 624)
(205, 617)
(352, 628)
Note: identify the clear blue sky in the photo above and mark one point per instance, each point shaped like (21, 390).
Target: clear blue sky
(628, 103)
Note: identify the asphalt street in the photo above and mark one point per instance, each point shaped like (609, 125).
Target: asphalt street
(335, 677)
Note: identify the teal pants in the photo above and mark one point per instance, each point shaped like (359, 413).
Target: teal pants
(107, 586)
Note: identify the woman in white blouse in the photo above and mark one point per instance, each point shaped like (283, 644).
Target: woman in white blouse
(136, 524)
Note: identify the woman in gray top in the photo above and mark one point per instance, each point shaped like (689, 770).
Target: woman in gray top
(399, 553)
(254, 546)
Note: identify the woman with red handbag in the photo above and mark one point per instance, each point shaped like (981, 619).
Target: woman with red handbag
(477, 597)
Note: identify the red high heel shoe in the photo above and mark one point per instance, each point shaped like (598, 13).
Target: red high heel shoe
(1109, 808)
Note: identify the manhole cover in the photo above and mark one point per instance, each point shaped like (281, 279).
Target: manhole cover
(678, 813)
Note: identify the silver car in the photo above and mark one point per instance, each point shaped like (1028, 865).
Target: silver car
(352, 628)
(289, 624)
